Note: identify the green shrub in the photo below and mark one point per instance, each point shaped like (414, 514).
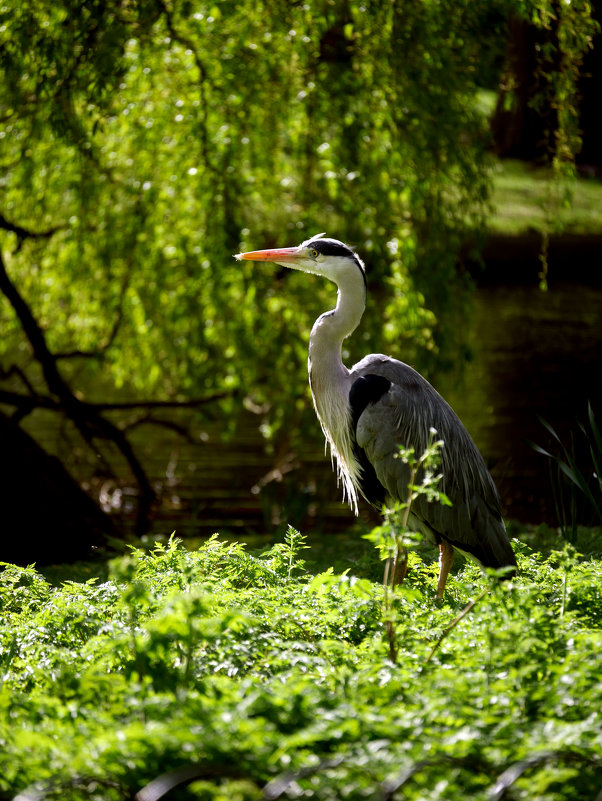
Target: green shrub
(233, 670)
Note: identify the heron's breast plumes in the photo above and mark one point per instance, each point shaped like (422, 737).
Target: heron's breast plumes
(331, 403)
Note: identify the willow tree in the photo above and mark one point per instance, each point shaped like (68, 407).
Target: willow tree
(143, 142)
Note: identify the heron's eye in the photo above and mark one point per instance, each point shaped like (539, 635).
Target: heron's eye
(314, 253)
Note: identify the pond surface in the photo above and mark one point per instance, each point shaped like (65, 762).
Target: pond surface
(537, 355)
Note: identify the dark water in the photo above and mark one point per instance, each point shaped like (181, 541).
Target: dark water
(536, 354)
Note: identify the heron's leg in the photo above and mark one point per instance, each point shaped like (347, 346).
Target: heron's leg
(399, 566)
(446, 558)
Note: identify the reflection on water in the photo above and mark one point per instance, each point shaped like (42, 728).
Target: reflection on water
(536, 355)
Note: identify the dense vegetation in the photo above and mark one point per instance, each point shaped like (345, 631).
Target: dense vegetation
(142, 143)
(242, 670)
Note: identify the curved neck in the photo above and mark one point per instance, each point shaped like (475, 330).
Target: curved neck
(334, 326)
(330, 379)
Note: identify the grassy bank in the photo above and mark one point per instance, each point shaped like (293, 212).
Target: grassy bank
(527, 198)
(251, 677)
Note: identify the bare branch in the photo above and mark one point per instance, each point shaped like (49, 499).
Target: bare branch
(34, 401)
(27, 233)
(15, 370)
(514, 772)
(79, 354)
(164, 404)
(25, 404)
(147, 419)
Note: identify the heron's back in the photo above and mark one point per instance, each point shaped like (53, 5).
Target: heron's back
(401, 412)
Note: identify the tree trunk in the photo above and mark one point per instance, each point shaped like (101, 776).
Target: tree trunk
(519, 130)
(589, 159)
(46, 516)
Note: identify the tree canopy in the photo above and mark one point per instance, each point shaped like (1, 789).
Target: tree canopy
(142, 143)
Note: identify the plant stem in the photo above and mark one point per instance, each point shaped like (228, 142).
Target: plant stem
(454, 623)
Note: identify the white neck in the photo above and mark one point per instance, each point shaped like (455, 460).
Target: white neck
(331, 328)
(329, 378)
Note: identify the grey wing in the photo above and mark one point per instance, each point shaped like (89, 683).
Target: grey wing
(404, 416)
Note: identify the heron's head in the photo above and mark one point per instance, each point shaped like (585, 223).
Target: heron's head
(319, 255)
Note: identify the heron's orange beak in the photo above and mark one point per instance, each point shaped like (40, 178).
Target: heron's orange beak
(277, 255)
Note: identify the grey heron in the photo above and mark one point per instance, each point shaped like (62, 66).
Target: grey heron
(368, 411)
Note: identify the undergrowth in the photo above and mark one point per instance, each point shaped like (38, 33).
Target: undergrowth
(236, 675)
